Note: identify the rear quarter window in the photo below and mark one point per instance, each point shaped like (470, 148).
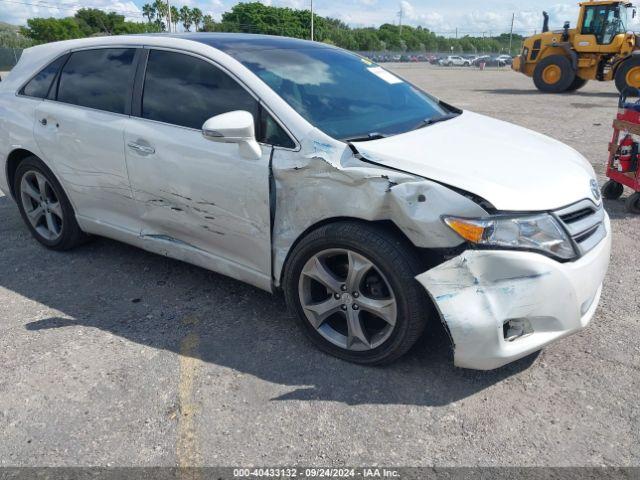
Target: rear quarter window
(40, 85)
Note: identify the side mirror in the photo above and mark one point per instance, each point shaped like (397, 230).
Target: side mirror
(234, 127)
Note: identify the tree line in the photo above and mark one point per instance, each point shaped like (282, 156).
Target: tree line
(256, 17)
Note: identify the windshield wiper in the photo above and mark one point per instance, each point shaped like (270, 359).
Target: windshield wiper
(366, 138)
(430, 121)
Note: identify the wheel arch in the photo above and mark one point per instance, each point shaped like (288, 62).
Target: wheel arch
(13, 160)
(326, 221)
(616, 66)
(16, 157)
(430, 257)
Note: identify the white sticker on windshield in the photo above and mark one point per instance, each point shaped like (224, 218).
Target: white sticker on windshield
(384, 75)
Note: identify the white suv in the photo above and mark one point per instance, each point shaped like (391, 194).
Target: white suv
(454, 60)
(301, 167)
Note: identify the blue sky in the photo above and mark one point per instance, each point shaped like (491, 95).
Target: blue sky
(468, 16)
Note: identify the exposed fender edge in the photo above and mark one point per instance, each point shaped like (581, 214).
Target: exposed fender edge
(485, 204)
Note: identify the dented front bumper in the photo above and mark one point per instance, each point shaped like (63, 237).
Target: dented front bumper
(478, 291)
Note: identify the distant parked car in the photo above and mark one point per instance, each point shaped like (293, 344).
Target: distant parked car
(478, 60)
(496, 62)
(455, 60)
(507, 59)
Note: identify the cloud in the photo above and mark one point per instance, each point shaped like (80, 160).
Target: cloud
(439, 16)
(19, 13)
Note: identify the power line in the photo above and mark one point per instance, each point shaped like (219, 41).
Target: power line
(70, 6)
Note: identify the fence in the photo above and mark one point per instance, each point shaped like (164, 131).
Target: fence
(408, 56)
(9, 57)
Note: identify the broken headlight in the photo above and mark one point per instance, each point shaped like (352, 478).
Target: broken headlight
(540, 232)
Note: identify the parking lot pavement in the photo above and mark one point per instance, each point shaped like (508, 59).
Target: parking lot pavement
(114, 356)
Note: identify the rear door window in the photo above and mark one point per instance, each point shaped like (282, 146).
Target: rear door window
(100, 79)
(39, 85)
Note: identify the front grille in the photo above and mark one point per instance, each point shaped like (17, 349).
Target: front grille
(585, 223)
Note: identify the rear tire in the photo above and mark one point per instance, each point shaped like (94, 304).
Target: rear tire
(628, 75)
(386, 266)
(554, 74)
(577, 84)
(612, 190)
(633, 203)
(44, 206)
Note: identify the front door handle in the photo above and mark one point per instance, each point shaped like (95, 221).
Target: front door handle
(141, 149)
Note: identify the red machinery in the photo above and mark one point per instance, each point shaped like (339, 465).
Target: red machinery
(624, 155)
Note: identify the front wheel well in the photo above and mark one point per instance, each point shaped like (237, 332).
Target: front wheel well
(13, 160)
(430, 257)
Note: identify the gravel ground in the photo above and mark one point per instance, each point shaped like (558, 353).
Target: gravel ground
(114, 356)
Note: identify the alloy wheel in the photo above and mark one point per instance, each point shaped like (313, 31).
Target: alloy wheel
(41, 205)
(347, 299)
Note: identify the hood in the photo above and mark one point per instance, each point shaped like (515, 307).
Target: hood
(513, 168)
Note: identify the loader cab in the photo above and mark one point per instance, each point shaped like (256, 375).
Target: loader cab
(603, 25)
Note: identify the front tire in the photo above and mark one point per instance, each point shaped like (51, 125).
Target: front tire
(352, 287)
(554, 74)
(628, 75)
(44, 206)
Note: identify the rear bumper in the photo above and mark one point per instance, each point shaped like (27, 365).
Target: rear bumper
(480, 290)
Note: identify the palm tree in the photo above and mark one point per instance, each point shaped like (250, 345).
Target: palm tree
(185, 17)
(175, 18)
(162, 11)
(149, 11)
(208, 23)
(196, 16)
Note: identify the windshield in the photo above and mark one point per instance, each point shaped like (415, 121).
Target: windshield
(342, 94)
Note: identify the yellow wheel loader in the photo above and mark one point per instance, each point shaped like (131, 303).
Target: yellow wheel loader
(599, 48)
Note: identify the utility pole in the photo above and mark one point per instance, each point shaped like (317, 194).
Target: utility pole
(400, 15)
(312, 20)
(169, 10)
(456, 33)
(513, 18)
(483, 42)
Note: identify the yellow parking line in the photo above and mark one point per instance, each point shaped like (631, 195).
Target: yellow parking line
(187, 444)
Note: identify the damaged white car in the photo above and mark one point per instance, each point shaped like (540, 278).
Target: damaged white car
(299, 166)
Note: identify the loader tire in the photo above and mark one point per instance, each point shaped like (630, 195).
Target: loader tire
(554, 74)
(628, 76)
(577, 84)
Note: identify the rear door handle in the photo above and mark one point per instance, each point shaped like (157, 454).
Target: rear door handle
(141, 149)
(44, 122)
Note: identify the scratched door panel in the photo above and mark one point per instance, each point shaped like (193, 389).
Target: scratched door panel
(87, 150)
(201, 194)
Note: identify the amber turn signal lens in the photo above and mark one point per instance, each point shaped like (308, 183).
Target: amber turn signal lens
(467, 229)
